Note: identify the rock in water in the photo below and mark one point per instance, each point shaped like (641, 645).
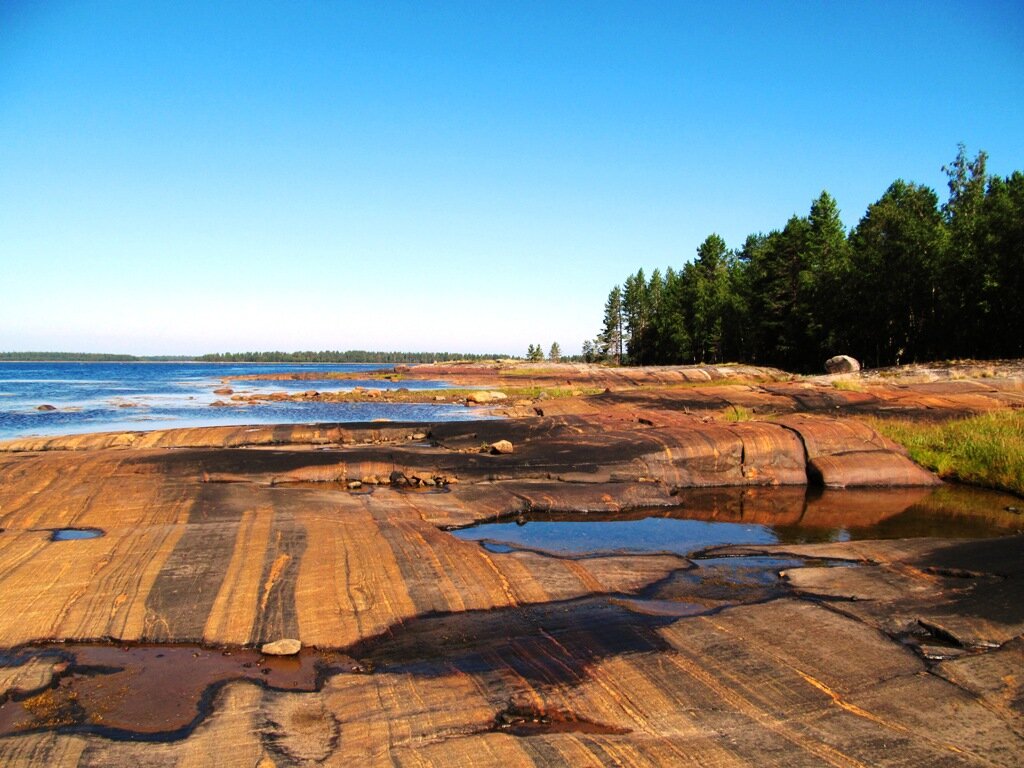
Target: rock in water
(841, 364)
(46, 407)
(286, 647)
(502, 446)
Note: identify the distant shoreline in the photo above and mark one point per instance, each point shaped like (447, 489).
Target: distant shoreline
(351, 357)
(200, 361)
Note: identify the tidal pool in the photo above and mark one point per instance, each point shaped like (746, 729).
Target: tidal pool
(709, 518)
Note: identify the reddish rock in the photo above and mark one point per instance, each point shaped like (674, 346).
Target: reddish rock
(869, 468)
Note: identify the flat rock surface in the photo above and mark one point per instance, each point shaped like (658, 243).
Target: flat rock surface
(423, 648)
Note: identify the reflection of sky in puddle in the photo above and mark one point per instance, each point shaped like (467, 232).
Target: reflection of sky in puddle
(74, 534)
(831, 516)
(651, 534)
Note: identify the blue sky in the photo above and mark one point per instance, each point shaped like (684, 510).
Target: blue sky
(190, 177)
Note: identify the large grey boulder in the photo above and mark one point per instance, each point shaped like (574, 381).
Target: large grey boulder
(841, 364)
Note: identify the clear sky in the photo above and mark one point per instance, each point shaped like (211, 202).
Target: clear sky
(187, 177)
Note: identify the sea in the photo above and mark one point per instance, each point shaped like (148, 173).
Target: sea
(107, 397)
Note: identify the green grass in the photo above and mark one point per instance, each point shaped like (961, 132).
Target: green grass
(847, 385)
(985, 450)
(738, 413)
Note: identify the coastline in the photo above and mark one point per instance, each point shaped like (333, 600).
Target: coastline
(216, 540)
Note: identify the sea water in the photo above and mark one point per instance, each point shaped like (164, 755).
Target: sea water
(102, 397)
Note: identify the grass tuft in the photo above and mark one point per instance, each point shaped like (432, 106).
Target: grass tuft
(986, 450)
(738, 413)
(847, 385)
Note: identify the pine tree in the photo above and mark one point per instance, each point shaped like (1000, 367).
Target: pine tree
(611, 334)
(589, 355)
(828, 259)
(635, 313)
(710, 287)
(964, 278)
(556, 352)
(895, 252)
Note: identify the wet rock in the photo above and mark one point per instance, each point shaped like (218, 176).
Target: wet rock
(841, 364)
(285, 647)
(224, 391)
(219, 404)
(46, 407)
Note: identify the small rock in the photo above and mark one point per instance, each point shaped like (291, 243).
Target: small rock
(224, 391)
(353, 484)
(46, 407)
(439, 398)
(419, 436)
(502, 446)
(286, 647)
(841, 364)
(218, 404)
(1015, 510)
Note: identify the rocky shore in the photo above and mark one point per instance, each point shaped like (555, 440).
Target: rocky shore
(418, 647)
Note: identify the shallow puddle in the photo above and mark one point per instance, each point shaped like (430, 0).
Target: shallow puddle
(74, 534)
(718, 517)
(153, 692)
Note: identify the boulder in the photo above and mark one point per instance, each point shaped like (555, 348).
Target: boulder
(502, 446)
(46, 407)
(286, 647)
(841, 364)
(224, 391)
(485, 397)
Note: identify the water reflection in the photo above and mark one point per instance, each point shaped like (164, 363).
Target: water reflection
(711, 517)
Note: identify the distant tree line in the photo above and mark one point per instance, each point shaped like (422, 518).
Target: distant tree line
(912, 281)
(350, 356)
(83, 357)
